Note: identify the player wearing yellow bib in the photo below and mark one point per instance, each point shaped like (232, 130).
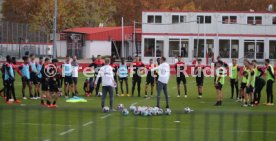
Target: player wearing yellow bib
(243, 80)
(250, 85)
(234, 79)
(259, 82)
(219, 82)
(270, 78)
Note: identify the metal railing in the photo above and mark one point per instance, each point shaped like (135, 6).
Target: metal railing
(67, 123)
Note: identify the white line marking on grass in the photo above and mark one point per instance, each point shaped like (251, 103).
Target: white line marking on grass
(88, 123)
(47, 140)
(170, 129)
(133, 104)
(256, 131)
(106, 116)
(38, 124)
(177, 121)
(66, 132)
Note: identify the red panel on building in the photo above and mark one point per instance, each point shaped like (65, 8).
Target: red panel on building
(105, 33)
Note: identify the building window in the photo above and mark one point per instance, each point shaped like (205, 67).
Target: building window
(208, 19)
(149, 50)
(229, 19)
(229, 48)
(199, 48)
(204, 19)
(224, 48)
(174, 47)
(178, 19)
(154, 19)
(178, 47)
(235, 48)
(200, 19)
(158, 19)
(254, 49)
(159, 48)
(150, 19)
(254, 20)
(272, 49)
(274, 20)
(249, 49)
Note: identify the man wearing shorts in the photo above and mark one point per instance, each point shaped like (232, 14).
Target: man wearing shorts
(67, 70)
(219, 82)
(180, 76)
(75, 74)
(115, 69)
(45, 83)
(199, 77)
(123, 76)
(39, 77)
(24, 72)
(150, 78)
(33, 74)
(250, 86)
(243, 81)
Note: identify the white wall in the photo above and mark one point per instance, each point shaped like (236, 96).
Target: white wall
(216, 27)
(61, 49)
(38, 49)
(96, 48)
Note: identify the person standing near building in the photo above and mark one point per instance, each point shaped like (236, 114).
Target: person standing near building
(150, 78)
(3, 90)
(39, 77)
(259, 82)
(98, 64)
(108, 83)
(54, 85)
(45, 83)
(220, 78)
(136, 66)
(68, 81)
(24, 72)
(199, 77)
(115, 70)
(33, 74)
(270, 78)
(234, 79)
(123, 76)
(89, 84)
(9, 77)
(75, 75)
(243, 81)
(163, 79)
(180, 76)
(250, 86)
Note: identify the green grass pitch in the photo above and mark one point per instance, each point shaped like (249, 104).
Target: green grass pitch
(86, 121)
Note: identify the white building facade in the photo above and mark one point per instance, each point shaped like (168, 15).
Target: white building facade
(207, 35)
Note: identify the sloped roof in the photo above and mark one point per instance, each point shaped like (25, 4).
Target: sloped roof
(102, 33)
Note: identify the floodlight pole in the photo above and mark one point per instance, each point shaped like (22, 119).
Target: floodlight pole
(55, 30)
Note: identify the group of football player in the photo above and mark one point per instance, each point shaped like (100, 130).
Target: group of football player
(45, 79)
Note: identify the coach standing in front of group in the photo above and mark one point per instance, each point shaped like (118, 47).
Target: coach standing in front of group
(108, 82)
(163, 79)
